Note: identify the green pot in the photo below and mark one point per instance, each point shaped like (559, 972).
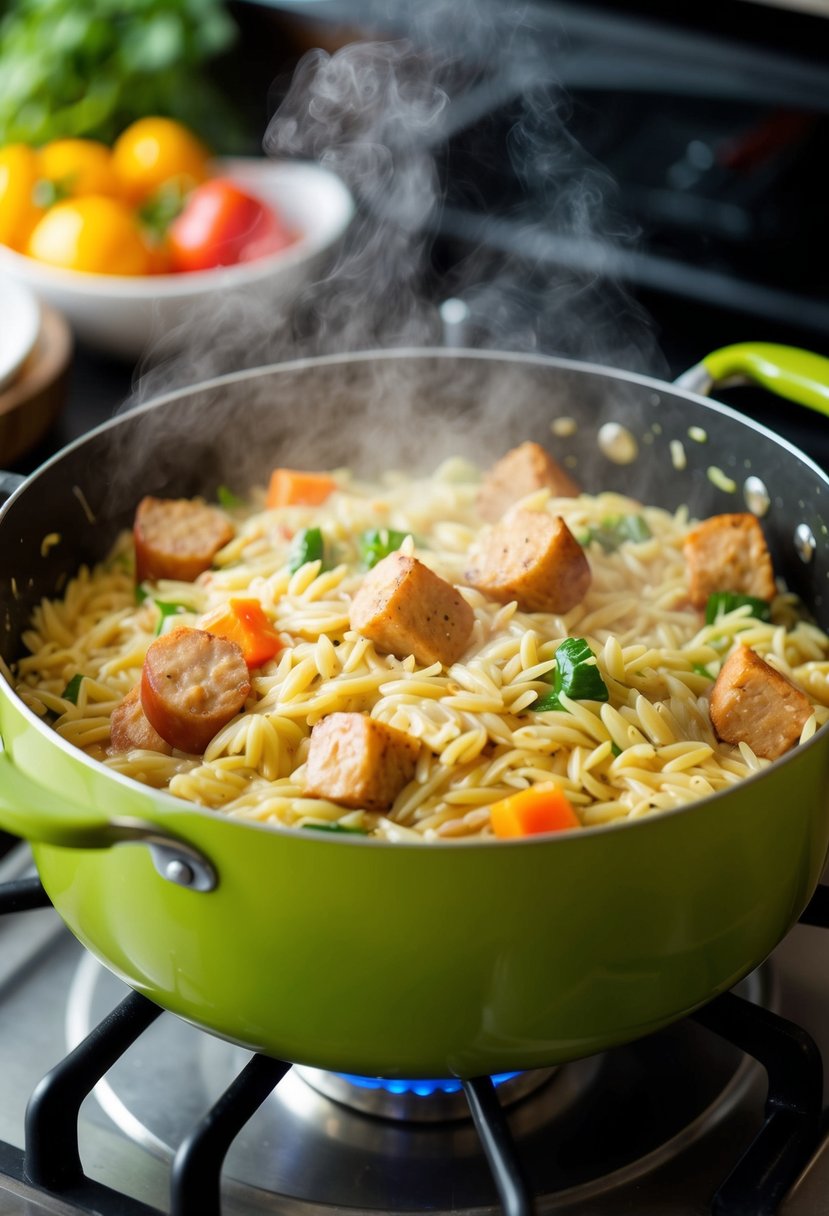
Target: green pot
(409, 960)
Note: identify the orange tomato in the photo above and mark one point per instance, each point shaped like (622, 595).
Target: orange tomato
(18, 178)
(154, 151)
(95, 234)
(78, 166)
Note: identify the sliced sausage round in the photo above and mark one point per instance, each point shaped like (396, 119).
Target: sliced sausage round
(129, 727)
(192, 684)
(177, 538)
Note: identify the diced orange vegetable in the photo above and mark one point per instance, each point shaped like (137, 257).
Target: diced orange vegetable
(541, 809)
(293, 487)
(243, 621)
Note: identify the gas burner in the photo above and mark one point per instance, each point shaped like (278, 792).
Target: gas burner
(584, 1132)
(418, 1101)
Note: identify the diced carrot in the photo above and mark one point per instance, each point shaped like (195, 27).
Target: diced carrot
(541, 809)
(243, 621)
(293, 487)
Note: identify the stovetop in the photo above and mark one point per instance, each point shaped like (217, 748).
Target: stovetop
(653, 1127)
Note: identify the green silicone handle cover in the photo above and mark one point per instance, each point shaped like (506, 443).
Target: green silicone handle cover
(798, 375)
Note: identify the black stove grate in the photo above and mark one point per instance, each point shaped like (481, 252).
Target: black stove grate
(791, 1129)
(52, 1163)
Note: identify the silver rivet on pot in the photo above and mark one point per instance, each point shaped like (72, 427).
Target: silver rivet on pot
(804, 542)
(176, 861)
(756, 495)
(179, 872)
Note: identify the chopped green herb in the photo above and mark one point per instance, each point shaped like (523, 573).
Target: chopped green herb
(227, 499)
(576, 674)
(308, 546)
(614, 530)
(70, 692)
(615, 749)
(377, 543)
(335, 827)
(726, 601)
(166, 610)
(701, 671)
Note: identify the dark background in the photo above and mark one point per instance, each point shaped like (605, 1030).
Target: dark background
(712, 120)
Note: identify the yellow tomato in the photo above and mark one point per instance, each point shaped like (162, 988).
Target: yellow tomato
(95, 234)
(18, 177)
(78, 166)
(154, 151)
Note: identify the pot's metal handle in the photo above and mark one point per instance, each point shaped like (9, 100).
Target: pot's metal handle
(798, 375)
(39, 816)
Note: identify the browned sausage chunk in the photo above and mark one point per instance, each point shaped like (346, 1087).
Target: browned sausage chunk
(129, 727)
(177, 538)
(728, 553)
(531, 557)
(754, 704)
(192, 684)
(359, 762)
(524, 469)
(405, 608)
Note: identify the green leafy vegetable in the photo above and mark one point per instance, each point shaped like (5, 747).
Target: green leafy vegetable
(167, 609)
(576, 674)
(701, 671)
(70, 692)
(308, 546)
(227, 499)
(614, 530)
(90, 69)
(726, 601)
(377, 543)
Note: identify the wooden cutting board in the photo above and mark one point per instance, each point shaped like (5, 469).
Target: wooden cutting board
(32, 402)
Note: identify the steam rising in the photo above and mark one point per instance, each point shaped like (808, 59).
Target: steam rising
(387, 116)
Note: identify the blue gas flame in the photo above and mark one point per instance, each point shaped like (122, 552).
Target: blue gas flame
(423, 1089)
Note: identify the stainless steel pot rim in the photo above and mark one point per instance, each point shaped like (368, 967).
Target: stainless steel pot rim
(427, 352)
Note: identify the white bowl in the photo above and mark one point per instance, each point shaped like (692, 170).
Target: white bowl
(19, 327)
(124, 314)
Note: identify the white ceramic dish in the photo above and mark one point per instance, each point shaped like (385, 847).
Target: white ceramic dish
(19, 326)
(124, 315)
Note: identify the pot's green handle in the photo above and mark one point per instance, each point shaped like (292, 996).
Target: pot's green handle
(41, 817)
(799, 375)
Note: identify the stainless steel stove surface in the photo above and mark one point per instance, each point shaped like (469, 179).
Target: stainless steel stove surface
(654, 1127)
